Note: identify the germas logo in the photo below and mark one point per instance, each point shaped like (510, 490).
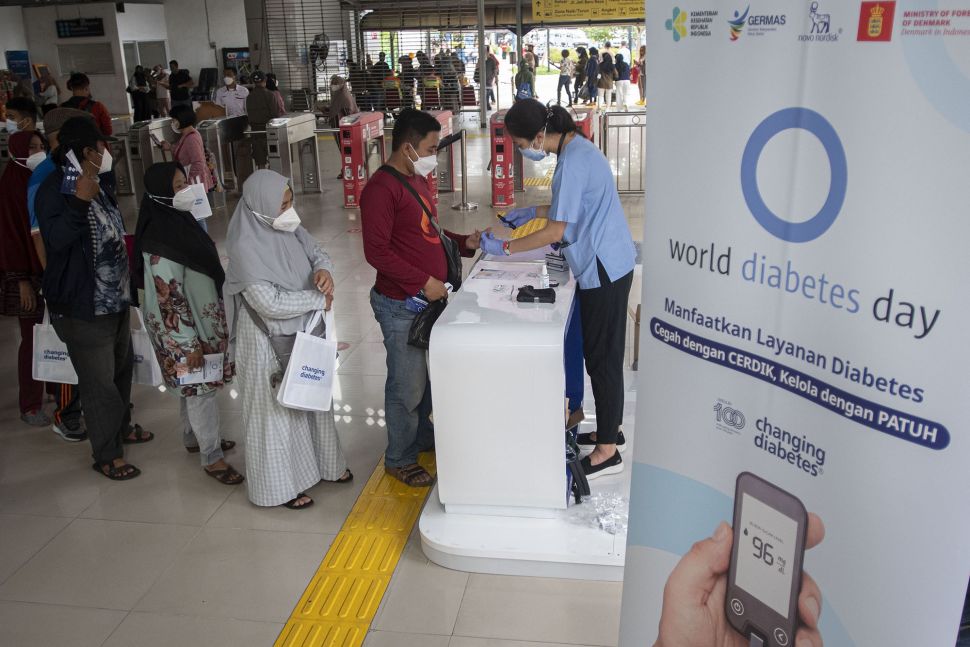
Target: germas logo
(677, 24)
(737, 23)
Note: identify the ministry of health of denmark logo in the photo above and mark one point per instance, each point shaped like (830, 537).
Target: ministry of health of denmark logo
(737, 23)
(677, 24)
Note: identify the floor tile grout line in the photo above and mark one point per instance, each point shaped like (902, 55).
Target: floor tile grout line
(37, 552)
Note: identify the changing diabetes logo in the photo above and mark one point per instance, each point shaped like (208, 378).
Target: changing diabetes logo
(876, 21)
(677, 24)
(813, 122)
(736, 24)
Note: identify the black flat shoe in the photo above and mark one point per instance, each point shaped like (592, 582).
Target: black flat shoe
(585, 441)
(610, 466)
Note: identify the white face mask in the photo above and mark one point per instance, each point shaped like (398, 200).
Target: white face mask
(35, 160)
(12, 126)
(106, 162)
(228, 80)
(184, 200)
(288, 221)
(423, 166)
(174, 129)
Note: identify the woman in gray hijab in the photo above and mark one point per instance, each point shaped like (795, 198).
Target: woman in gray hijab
(278, 276)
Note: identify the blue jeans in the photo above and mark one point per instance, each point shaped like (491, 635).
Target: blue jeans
(407, 392)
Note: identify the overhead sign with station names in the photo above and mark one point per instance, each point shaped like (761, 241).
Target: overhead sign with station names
(587, 10)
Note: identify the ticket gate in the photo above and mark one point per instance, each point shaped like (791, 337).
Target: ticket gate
(361, 138)
(587, 121)
(122, 165)
(220, 136)
(292, 144)
(503, 162)
(442, 179)
(143, 152)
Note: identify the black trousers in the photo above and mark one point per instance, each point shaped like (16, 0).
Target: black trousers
(101, 353)
(603, 312)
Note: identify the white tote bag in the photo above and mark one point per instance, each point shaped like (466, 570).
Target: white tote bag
(146, 369)
(51, 361)
(308, 382)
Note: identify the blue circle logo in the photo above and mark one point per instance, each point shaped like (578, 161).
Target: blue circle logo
(794, 232)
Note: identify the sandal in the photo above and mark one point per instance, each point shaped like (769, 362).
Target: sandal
(412, 475)
(293, 505)
(347, 477)
(140, 436)
(125, 472)
(225, 444)
(228, 476)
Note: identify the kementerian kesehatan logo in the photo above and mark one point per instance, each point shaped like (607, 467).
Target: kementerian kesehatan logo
(737, 23)
(677, 24)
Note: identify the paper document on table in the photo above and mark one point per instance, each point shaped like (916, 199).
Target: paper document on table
(507, 272)
(211, 371)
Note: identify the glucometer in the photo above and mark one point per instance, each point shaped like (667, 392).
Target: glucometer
(765, 576)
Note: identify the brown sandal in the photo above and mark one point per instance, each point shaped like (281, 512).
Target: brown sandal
(411, 475)
(347, 477)
(293, 504)
(228, 476)
(226, 445)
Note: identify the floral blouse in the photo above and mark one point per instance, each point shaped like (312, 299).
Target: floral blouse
(184, 313)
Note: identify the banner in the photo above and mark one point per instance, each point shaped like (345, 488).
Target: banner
(801, 465)
(548, 10)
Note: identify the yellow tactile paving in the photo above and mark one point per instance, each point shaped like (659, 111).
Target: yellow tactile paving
(343, 597)
(530, 227)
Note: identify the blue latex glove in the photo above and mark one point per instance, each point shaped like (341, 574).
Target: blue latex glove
(518, 217)
(492, 245)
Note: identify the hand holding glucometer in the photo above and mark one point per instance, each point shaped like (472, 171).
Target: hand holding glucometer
(744, 586)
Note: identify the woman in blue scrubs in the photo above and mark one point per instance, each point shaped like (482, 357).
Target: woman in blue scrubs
(586, 217)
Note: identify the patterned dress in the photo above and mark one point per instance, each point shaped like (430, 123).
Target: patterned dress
(184, 313)
(287, 451)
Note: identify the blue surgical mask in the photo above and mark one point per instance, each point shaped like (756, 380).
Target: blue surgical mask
(533, 153)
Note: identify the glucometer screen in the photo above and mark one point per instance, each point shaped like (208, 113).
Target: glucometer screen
(766, 554)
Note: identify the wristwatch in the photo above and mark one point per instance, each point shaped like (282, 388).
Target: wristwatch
(506, 247)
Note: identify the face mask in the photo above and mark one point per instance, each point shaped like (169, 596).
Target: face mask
(423, 166)
(184, 200)
(176, 130)
(228, 80)
(35, 160)
(288, 221)
(533, 153)
(12, 126)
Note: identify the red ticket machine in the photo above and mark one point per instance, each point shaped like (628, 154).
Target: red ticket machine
(587, 121)
(358, 134)
(503, 156)
(444, 175)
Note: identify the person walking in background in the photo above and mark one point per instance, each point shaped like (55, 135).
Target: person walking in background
(261, 106)
(185, 316)
(606, 82)
(80, 86)
(189, 150)
(582, 61)
(622, 82)
(342, 104)
(272, 84)
(642, 79)
(592, 76)
(88, 289)
(279, 277)
(491, 78)
(375, 77)
(525, 83)
(231, 95)
(20, 267)
(138, 88)
(67, 423)
(358, 85)
(180, 86)
(21, 115)
(50, 92)
(567, 69)
(162, 98)
(408, 76)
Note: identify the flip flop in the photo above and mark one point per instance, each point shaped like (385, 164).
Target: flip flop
(346, 478)
(124, 473)
(292, 503)
(228, 476)
(140, 436)
(226, 445)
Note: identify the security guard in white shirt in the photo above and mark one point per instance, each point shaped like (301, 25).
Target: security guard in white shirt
(231, 96)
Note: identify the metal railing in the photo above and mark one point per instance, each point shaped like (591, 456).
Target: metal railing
(623, 140)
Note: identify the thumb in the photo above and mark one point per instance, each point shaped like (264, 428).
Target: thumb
(697, 573)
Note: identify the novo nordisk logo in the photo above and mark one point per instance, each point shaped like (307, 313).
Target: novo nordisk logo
(821, 31)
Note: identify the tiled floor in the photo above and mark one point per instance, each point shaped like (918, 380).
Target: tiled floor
(175, 558)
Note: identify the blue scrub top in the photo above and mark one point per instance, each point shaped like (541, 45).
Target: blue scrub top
(584, 196)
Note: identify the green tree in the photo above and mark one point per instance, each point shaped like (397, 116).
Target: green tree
(598, 35)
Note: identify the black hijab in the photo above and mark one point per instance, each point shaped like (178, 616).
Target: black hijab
(171, 233)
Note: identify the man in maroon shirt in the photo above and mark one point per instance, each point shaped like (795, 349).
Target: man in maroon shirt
(401, 243)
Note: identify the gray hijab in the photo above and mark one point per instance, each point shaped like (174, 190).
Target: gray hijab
(259, 254)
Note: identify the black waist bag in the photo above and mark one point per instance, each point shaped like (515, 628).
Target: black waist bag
(419, 335)
(281, 345)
